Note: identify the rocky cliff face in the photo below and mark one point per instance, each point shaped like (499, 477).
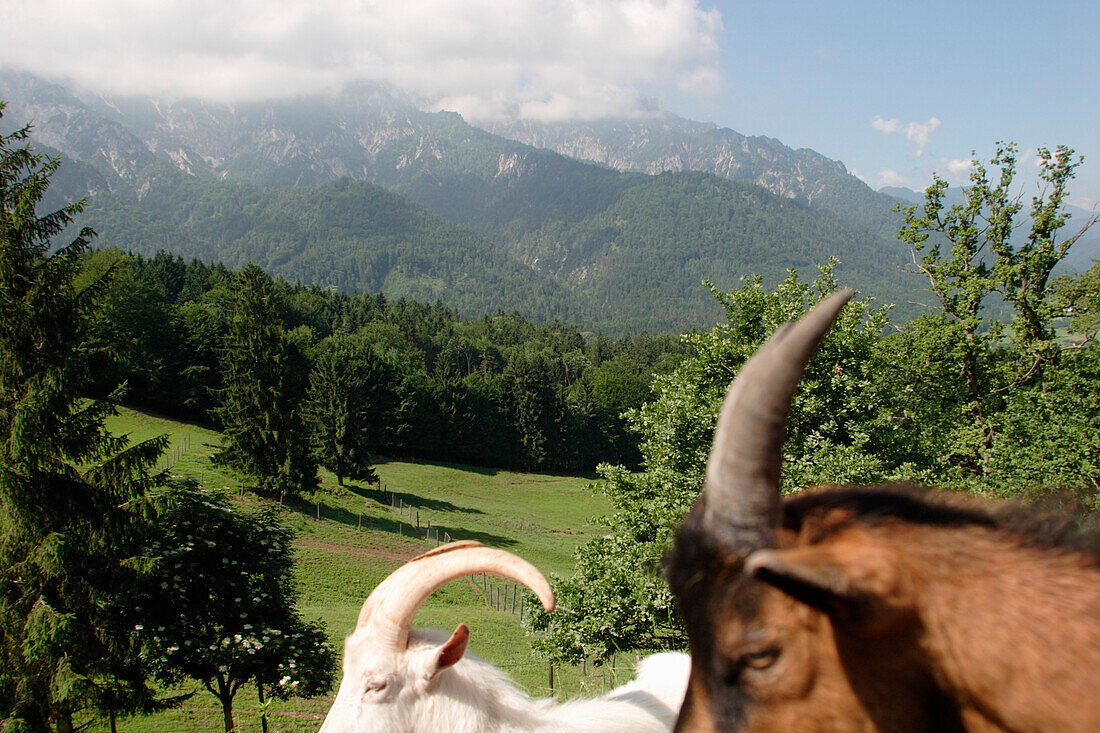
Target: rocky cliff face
(670, 143)
(378, 134)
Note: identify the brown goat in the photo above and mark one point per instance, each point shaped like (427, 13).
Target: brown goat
(885, 608)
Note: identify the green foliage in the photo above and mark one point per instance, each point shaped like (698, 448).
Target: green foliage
(219, 605)
(1079, 298)
(260, 405)
(967, 253)
(839, 432)
(448, 386)
(347, 402)
(67, 485)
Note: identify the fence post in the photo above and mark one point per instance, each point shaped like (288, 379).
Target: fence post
(551, 679)
(360, 527)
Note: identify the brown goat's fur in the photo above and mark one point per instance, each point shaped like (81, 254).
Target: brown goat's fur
(892, 608)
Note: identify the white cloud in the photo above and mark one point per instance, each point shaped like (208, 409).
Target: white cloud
(915, 132)
(484, 58)
(890, 177)
(918, 132)
(958, 166)
(885, 126)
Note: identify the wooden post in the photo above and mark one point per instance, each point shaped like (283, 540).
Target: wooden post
(360, 527)
(551, 679)
(418, 520)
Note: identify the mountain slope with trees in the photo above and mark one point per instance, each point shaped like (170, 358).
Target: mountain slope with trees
(558, 216)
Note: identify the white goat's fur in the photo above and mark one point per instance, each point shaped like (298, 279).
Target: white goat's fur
(473, 696)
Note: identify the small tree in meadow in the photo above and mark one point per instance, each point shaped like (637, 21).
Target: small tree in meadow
(219, 607)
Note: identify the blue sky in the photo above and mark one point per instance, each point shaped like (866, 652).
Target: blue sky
(894, 90)
(817, 74)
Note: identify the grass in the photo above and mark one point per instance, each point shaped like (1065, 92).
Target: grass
(359, 539)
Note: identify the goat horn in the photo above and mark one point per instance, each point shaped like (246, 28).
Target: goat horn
(741, 493)
(390, 607)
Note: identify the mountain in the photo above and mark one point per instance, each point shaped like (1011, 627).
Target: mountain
(347, 235)
(670, 143)
(627, 249)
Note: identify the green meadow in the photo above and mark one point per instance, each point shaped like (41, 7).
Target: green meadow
(349, 538)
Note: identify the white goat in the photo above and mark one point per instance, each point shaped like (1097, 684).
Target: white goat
(402, 680)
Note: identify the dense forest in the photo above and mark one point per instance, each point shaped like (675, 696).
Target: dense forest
(497, 390)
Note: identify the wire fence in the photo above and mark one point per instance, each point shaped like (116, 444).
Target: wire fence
(173, 456)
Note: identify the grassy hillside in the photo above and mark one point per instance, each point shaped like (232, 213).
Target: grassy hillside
(359, 539)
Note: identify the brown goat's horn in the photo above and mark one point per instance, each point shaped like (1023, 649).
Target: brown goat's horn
(742, 483)
(390, 608)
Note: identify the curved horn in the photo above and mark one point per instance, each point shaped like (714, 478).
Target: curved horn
(390, 607)
(742, 484)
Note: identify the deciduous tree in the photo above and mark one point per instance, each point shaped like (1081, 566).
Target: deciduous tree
(219, 605)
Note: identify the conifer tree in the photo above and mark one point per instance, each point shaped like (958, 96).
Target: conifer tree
(347, 401)
(66, 485)
(260, 415)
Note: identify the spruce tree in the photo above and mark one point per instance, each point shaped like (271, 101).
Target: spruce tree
(347, 401)
(260, 404)
(66, 485)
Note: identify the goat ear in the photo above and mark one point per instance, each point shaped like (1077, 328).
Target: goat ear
(851, 582)
(452, 650)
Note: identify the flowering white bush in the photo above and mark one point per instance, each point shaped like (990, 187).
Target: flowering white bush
(219, 608)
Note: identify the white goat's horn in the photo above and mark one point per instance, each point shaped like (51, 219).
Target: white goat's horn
(390, 608)
(741, 493)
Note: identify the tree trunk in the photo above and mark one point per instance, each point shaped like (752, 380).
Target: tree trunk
(263, 707)
(227, 715)
(64, 721)
(226, 698)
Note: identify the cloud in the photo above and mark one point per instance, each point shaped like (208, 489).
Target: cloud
(890, 177)
(484, 58)
(915, 132)
(885, 126)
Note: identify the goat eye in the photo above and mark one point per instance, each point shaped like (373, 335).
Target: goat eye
(761, 659)
(376, 686)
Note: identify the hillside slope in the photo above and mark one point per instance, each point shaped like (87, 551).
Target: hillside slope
(628, 250)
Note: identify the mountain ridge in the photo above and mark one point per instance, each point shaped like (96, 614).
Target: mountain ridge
(558, 216)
